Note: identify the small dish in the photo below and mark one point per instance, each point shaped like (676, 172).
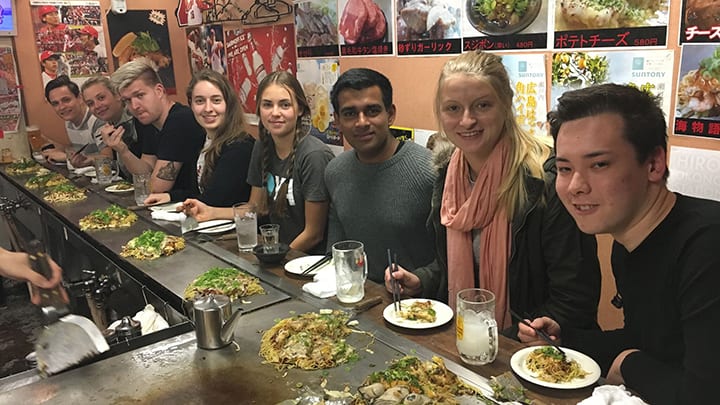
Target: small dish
(120, 188)
(517, 363)
(443, 314)
(273, 257)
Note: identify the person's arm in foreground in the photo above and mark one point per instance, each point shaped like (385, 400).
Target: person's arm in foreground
(16, 265)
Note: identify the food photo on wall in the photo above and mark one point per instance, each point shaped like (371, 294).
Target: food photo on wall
(143, 33)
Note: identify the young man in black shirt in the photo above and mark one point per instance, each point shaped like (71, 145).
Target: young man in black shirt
(171, 137)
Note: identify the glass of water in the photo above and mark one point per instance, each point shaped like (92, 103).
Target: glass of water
(141, 183)
(271, 237)
(475, 326)
(245, 225)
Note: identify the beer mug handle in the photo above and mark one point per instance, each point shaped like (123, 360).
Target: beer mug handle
(365, 267)
(493, 333)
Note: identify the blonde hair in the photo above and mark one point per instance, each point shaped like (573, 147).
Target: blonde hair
(99, 79)
(141, 68)
(527, 152)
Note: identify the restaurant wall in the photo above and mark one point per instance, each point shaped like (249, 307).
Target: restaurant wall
(413, 78)
(37, 110)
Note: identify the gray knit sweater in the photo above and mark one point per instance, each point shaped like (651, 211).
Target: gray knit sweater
(383, 205)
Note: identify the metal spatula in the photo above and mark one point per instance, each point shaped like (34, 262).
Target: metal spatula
(67, 339)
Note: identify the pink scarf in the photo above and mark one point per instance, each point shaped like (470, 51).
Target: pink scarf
(466, 207)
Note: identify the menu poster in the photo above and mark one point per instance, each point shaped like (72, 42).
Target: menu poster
(9, 94)
(428, 27)
(528, 78)
(699, 21)
(618, 24)
(317, 77)
(253, 53)
(69, 38)
(649, 70)
(697, 110)
(316, 30)
(143, 33)
(485, 26)
(364, 27)
(695, 172)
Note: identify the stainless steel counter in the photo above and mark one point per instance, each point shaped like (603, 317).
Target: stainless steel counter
(174, 370)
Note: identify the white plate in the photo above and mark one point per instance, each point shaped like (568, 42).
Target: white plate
(443, 314)
(220, 229)
(517, 363)
(169, 207)
(297, 266)
(114, 189)
(92, 173)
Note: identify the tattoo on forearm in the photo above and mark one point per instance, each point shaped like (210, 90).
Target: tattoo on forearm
(168, 172)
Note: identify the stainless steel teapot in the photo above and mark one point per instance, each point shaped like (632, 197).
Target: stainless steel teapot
(214, 321)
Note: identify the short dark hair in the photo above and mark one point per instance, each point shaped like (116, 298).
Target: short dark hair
(359, 79)
(61, 81)
(643, 119)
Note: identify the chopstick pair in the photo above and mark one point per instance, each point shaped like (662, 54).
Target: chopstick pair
(540, 332)
(317, 264)
(82, 148)
(207, 228)
(392, 265)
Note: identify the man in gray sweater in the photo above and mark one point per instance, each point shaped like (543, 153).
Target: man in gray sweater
(380, 191)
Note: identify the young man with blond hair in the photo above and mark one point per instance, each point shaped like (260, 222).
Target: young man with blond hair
(171, 137)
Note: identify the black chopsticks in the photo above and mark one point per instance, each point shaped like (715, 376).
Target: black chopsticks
(82, 148)
(317, 265)
(392, 265)
(540, 332)
(207, 228)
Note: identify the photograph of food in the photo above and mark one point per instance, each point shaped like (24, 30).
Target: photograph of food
(698, 94)
(363, 21)
(314, 340)
(420, 311)
(64, 193)
(143, 33)
(578, 69)
(46, 179)
(702, 14)
(151, 245)
(551, 366)
(22, 166)
(223, 281)
(588, 14)
(427, 381)
(111, 217)
(427, 19)
(502, 17)
(132, 46)
(316, 23)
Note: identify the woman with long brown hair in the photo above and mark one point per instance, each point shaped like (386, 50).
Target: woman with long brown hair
(287, 167)
(224, 160)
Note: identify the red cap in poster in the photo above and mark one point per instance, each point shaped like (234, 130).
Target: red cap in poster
(47, 9)
(90, 30)
(48, 54)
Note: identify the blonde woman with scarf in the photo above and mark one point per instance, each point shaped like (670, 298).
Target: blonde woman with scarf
(496, 219)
